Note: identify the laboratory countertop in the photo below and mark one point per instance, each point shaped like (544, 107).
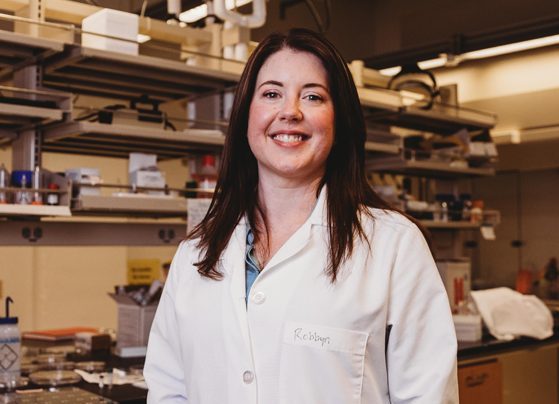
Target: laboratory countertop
(467, 351)
(490, 346)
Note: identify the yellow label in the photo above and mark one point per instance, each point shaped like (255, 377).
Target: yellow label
(143, 271)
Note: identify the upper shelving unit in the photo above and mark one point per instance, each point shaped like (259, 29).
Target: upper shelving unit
(116, 140)
(458, 225)
(390, 107)
(22, 109)
(19, 50)
(426, 168)
(116, 75)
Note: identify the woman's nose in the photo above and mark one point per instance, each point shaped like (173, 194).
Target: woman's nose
(291, 110)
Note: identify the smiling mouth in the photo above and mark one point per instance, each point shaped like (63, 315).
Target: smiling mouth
(290, 138)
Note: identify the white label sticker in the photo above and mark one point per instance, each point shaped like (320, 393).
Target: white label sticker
(328, 338)
(196, 210)
(488, 232)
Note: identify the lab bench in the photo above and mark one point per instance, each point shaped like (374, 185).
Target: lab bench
(509, 372)
(490, 371)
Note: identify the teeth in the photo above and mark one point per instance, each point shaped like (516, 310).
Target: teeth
(288, 138)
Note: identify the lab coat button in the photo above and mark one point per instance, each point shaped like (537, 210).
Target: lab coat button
(248, 377)
(258, 298)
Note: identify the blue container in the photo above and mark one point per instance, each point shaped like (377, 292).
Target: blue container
(18, 175)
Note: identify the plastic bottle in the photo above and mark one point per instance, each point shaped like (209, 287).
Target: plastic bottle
(207, 176)
(4, 183)
(10, 342)
(476, 213)
(37, 196)
(467, 206)
(52, 196)
(23, 197)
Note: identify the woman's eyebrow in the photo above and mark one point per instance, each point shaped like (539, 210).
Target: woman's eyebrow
(272, 82)
(280, 84)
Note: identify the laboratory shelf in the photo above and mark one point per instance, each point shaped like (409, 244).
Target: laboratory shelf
(457, 225)
(389, 107)
(15, 118)
(117, 140)
(129, 204)
(104, 73)
(22, 109)
(426, 168)
(20, 50)
(378, 147)
(33, 210)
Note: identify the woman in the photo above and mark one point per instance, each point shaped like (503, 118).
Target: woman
(301, 285)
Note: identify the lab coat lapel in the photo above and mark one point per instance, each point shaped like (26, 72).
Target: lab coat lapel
(302, 236)
(234, 265)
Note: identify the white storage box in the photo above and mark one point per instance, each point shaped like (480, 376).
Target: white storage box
(134, 321)
(113, 23)
(456, 278)
(85, 175)
(468, 327)
(146, 178)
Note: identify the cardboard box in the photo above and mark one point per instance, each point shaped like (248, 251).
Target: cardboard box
(134, 321)
(113, 23)
(457, 280)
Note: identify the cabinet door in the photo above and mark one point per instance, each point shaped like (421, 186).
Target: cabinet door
(480, 383)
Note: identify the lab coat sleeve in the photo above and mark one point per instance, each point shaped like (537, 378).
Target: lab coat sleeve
(421, 349)
(163, 371)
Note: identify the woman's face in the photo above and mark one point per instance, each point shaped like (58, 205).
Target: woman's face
(291, 118)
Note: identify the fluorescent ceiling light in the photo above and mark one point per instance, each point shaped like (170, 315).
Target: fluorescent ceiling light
(512, 47)
(391, 71)
(432, 63)
(201, 11)
(453, 60)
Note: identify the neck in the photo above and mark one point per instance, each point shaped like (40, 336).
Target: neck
(287, 204)
(286, 207)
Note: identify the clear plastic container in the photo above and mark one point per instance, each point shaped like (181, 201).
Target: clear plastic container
(10, 344)
(4, 183)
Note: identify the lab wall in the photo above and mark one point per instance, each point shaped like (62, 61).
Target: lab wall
(529, 206)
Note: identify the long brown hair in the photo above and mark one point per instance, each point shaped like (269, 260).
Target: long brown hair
(349, 194)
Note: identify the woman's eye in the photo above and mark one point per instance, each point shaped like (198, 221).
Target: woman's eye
(313, 97)
(271, 94)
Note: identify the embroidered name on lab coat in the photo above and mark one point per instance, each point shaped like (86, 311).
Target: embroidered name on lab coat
(327, 338)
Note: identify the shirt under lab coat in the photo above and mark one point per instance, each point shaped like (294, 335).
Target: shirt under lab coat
(302, 339)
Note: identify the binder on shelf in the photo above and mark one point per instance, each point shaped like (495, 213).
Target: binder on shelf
(57, 334)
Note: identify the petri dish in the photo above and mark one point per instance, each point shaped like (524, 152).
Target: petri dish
(91, 366)
(67, 365)
(54, 378)
(10, 385)
(136, 370)
(48, 358)
(27, 368)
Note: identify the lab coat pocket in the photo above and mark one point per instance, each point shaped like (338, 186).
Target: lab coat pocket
(321, 365)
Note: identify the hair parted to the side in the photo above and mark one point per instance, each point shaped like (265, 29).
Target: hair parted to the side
(236, 192)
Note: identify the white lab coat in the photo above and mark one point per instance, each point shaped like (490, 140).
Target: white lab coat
(302, 339)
